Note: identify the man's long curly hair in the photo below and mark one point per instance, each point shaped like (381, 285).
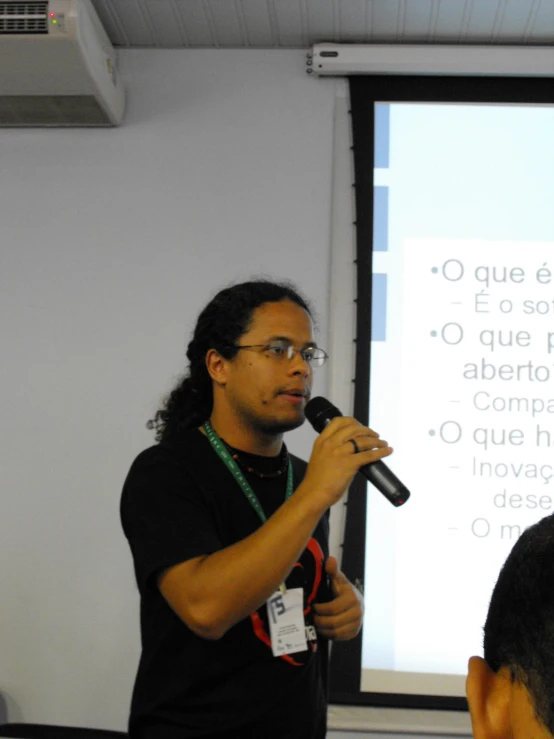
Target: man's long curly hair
(519, 631)
(226, 317)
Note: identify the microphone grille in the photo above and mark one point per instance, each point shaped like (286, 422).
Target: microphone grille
(319, 412)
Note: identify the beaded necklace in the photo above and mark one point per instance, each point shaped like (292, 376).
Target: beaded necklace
(235, 453)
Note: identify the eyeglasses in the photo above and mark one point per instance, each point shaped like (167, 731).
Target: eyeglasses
(282, 350)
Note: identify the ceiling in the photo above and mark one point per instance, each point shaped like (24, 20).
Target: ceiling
(301, 23)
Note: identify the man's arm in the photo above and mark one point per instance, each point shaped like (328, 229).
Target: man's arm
(214, 592)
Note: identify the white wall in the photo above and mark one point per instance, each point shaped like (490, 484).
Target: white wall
(111, 241)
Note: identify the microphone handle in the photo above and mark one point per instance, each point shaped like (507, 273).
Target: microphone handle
(386, 482)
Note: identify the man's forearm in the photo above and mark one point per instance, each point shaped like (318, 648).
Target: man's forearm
(212, 593)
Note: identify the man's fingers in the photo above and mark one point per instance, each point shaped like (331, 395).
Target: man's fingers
(366, 443)
(337, 621)
(340, 619)
(343, 634)
(342, 426)
(332, 567)
(338, 578)
(341, 604)
(345, 626)
(339, 451)
(353, 440)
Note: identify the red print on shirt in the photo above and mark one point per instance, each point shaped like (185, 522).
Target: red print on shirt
(306, 573)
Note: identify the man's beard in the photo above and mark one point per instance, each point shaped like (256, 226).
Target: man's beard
(273, 427)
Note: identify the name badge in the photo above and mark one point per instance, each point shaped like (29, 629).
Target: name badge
(285, 613)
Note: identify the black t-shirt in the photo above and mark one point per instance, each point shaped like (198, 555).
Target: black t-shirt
(180, 501)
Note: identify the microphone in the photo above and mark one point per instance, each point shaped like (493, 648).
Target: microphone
(319, 412)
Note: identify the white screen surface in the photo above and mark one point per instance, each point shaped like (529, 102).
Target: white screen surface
(462, 370)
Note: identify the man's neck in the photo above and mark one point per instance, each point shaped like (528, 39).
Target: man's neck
(247, 440)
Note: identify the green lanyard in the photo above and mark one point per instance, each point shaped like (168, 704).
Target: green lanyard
(223, 453)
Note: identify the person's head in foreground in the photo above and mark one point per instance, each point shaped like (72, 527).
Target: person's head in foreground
(511, 691)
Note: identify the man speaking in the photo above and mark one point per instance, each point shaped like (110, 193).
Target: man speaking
(228, 532)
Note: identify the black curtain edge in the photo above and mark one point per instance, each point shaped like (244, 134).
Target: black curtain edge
(365, 91)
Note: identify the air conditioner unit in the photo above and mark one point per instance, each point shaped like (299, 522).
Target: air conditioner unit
(57, 66)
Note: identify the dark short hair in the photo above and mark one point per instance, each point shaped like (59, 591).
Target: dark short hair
(226, 317)
(519, 631)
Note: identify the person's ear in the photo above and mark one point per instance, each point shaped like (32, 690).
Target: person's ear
(216, 366)
(488, 694)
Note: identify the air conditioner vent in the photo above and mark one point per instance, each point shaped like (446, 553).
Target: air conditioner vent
(23, 18)
(64, 75)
